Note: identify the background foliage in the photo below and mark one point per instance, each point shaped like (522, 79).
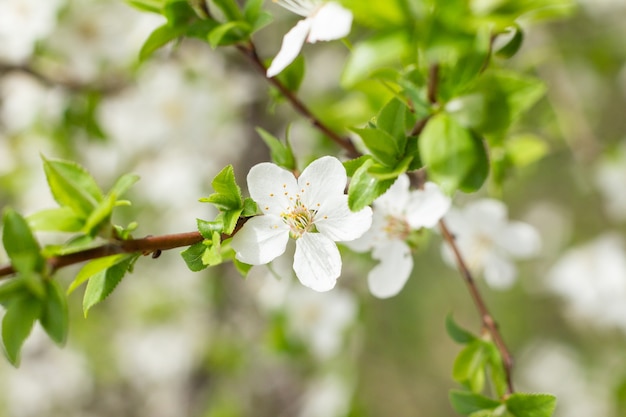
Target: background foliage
(172, 342)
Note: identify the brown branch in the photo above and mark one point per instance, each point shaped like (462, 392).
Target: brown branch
(249, 51)
(486, 318)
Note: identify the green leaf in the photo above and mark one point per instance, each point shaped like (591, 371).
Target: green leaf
(507, 96)
(72, 186)
(100, 215)
(207, 228)
(11, 290)
(250, 207)
(193, 257)
(513, 44)
(229, 33)
(227, 194)
(352, 165)
(466, 403)
(365, 188)
(457, 333)
(178, 12)
(95, 267)
(20, 244)
(229, 8)
(531, 405)
(102, 284)
(390, 173)
(525, 149)
(469, 366)
(280, 153)
(60, 219)
(123, 184)
(153, 6)
(212, 255)
(241, 267)
(392, 120)
(54, 316)
(382, 145)
(230, 219)
(160, 37)
(455, 157)
(17, 325)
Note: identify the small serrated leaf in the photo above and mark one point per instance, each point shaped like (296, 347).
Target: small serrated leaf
(94, 267)
(280, 153)
(72, 186)
(227, 194)
(102, 284)
(193, 257)
(531, 405)
(60, 219)
(20, 243)
(383, 146)
(466, 403)
(207, 228)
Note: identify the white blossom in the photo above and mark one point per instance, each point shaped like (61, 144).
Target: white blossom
(489, 242)
(397, 213)
(311, 209)
(324, 21)
(592, 278)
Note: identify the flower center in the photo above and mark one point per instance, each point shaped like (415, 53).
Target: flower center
(397, 228)
(299, 219)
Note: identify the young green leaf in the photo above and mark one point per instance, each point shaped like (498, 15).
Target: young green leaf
(531, 405)
(457, 333)
(20, 244)
(94, 267)
(392, 120)
(250, 207)
(11, 290)
(160, 37)
(227, 194)
(228, 33)
(102, 284)
(281, 153)
(193, 256)
(513, 44)
(365, 188)
(384, 147)
(469, 366)
(466, 403)
(178, 12)
(207, 228)
(229, 8)
(455, 157)
(212, 255)
(72, 186)
(17, 324)
(292, 76)
(54, 316)
(230, 219)
(60, 219)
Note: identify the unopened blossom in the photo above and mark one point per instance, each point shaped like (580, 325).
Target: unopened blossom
(397, 213)
(311, 209)
(324, 21)
(489, 242)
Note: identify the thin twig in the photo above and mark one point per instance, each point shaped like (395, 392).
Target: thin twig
(486, 318)
(344, 142)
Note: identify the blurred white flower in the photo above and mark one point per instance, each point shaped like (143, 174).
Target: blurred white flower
(324, 21)
(22, 23)
(397, 213)
(311, 209)
(95, 37)
(592, 278)
(320, 320)
(25, 100)
(329, 396)
(488, 241)
(554, 368)
(610, 178)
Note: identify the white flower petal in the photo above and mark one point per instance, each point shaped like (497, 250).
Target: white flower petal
(394, 201)
(520, 240)
(292, 44)
(331, 22)
(342, 224)
(317, 262)
(388, 277)
(324, 180)
(487, 215)
(376, 235)
(427, 206)
(261, 240)
(500, 273)
(271, 186)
